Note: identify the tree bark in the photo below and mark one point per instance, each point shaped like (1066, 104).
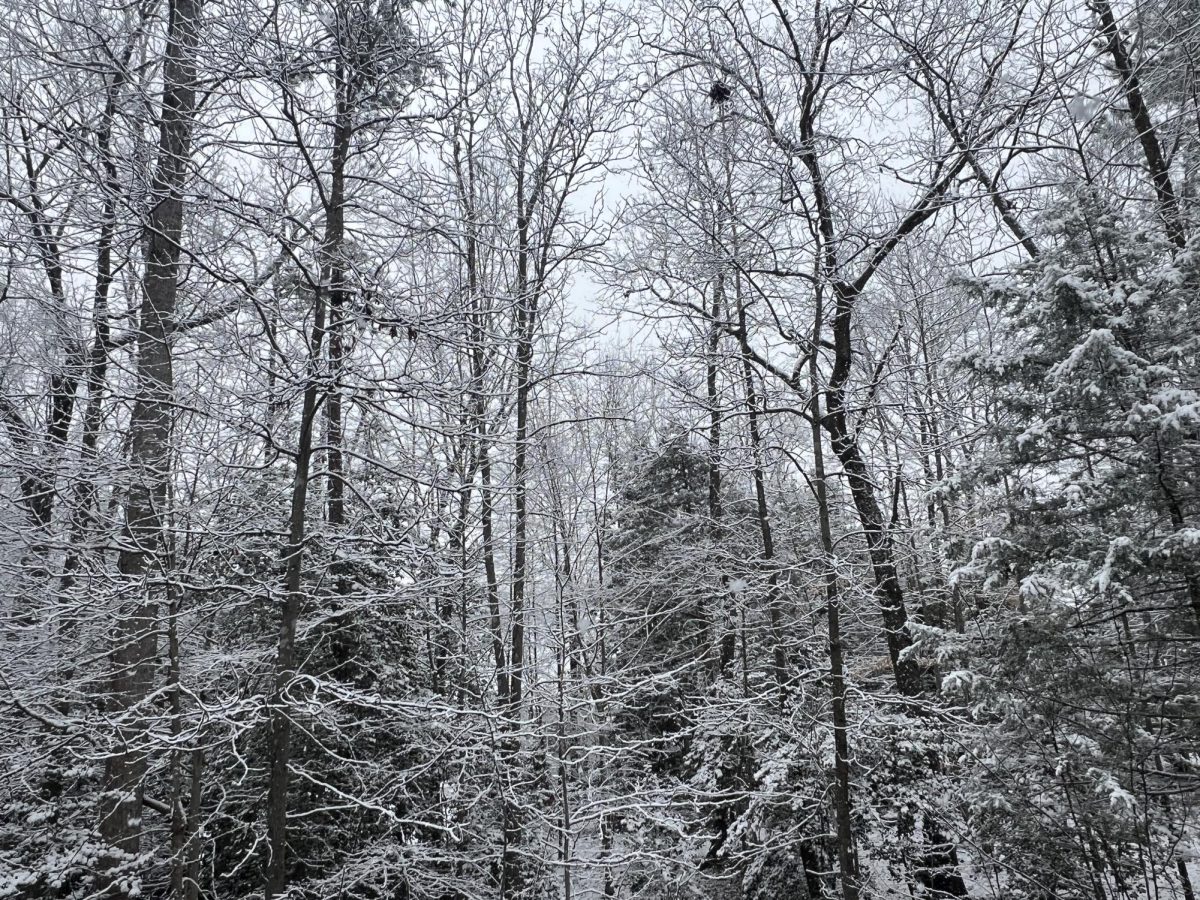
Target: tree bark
(135, 642)
(862, 492)
(1139, 115)
(335, 234)
(279, 742)
(328, 318)
(84, 502)
(512, 877)
(847, 870)
(728, 639)
(774, 595)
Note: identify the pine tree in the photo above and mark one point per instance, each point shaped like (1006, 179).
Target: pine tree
(1084, 685)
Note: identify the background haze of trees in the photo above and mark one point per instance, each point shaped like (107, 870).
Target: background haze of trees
(605, 448)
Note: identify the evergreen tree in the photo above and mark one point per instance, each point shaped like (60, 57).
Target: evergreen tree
(1084, 677)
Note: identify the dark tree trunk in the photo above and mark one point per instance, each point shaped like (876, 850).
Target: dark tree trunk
(279, 743)
(862, 492)
(327, 317)
(335, 263)
(84, 502)
(754, 405)
(526, 302)
(847, 869)
(728, 645)
(1143, 124)
(135, 652)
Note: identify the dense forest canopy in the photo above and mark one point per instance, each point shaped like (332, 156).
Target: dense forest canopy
(640, 449)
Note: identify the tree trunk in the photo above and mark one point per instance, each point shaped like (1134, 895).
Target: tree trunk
(335, 263)
(774, 599)
(279, 746)
(728, 645)
(526, 319)
(862, 492)
(327, 317)
(512, 876)
(837, 667)
(1139, 115)
(136, 639)
(84, 499)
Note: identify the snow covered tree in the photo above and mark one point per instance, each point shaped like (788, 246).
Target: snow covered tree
(1084, 687)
